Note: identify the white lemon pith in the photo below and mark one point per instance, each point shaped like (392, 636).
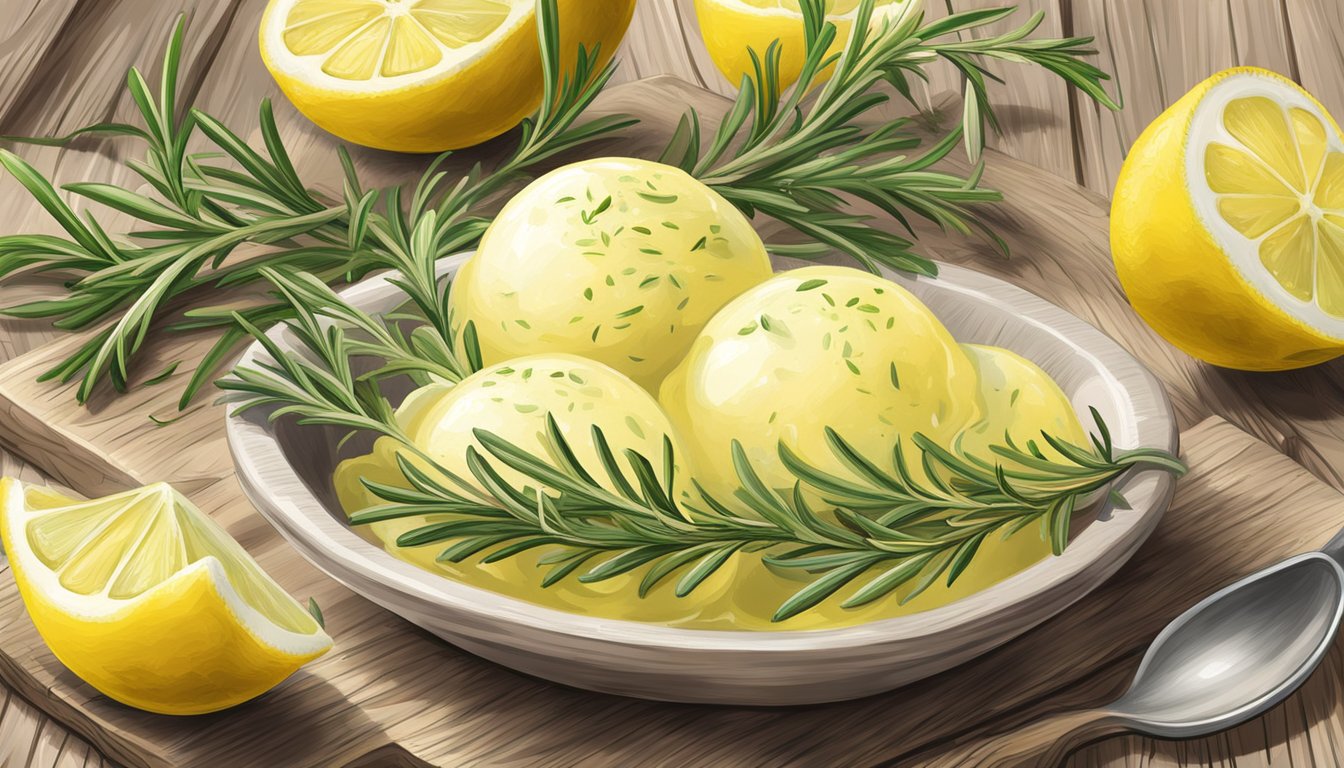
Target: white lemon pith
(1227, 225)
(422, 75)
(151, 602)
(619, 260)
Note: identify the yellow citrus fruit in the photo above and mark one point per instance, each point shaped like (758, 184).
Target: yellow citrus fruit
(151, 602)
(733, 28)
(423, 75)
(1227, 225)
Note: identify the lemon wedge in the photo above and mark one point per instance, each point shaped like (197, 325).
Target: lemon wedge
(1227, 224)
(150, 601)
(733, 28)
(422, 75)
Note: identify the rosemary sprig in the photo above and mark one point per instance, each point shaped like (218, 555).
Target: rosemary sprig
(800, 161)
(204, 212)
(207, 209)
(797, 160)
(882, 529)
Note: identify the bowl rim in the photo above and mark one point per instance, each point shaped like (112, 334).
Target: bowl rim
(282, 497)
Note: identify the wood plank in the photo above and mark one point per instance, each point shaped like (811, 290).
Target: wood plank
(664, 39)
(1033, 105)
(76, 754)
(19, 731)
(357, 688)
(1260, 36)
(1124, 50)
(1317, 33)
(23, 48)
(75, 55)
(1185, 551)
(1091, 121)
(1159, 50)
(51, 739)
(1191, 40)
(1304, 730)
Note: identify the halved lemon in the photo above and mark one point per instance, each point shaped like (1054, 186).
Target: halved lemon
(423, 75)
(150, 601)
(733, 28)
(1227, 224)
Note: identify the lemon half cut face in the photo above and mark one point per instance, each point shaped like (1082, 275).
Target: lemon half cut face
(424, 75)
(1227, 224)
(1275, 176)
(357, 41)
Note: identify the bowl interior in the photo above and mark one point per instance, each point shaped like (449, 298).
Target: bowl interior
(1090, 368)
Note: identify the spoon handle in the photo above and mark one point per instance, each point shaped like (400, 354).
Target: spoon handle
(1044, 743)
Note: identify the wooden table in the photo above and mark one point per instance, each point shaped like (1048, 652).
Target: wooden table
(63, 60)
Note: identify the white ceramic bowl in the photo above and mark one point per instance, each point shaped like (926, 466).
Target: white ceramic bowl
(285, 470)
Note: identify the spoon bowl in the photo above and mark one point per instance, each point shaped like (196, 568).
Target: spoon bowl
(1227, 659)
(1239, 651)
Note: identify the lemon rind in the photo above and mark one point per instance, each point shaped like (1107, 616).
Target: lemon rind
(46, 586)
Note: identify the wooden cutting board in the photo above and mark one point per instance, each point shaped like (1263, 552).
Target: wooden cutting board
(391, 694)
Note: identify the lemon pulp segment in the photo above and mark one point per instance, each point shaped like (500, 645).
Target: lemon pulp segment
(363, 39)
(122, 546)
(1278, 182)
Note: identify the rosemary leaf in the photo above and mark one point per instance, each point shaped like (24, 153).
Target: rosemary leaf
(208, 208)
(802, 162)
(883, 527)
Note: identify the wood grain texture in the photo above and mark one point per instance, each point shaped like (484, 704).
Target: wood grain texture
(1032, 106)
(30, 737)
(1156, 49)
(63, 62)
(497, 717)
(124, 450)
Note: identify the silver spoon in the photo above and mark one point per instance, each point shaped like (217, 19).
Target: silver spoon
(1228, 659)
